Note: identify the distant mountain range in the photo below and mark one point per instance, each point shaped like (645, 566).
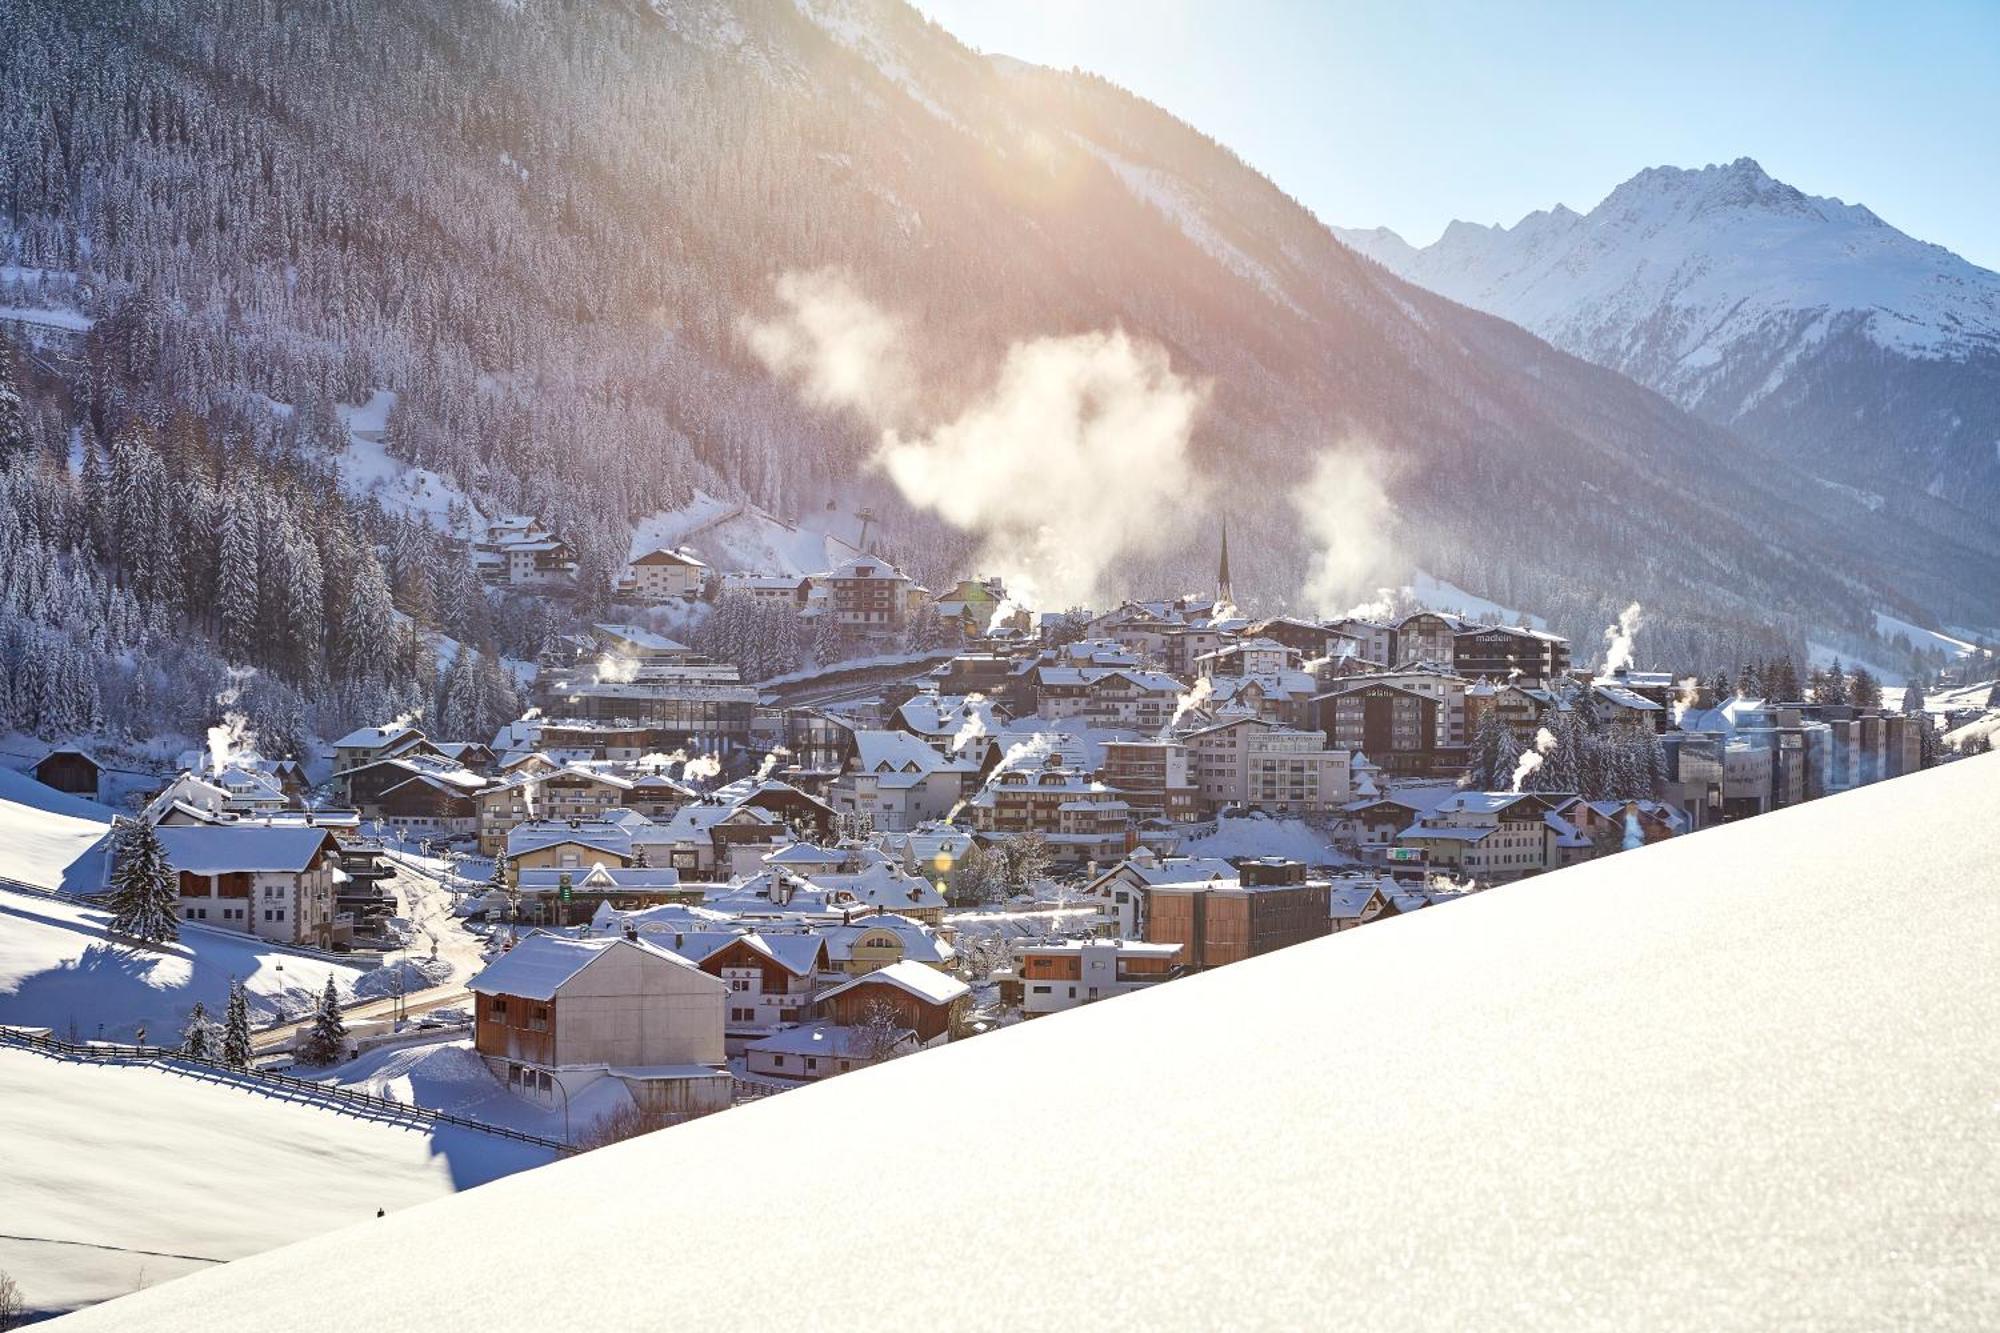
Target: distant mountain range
(541, 225)
(1807, 325)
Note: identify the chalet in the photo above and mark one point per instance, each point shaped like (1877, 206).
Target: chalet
(1285, 697)
(1309, 639)
(771, 978)
(568, 845)
(554, 1015)
(898, 782)
(1355, 900)
(815, 1051)
(791, 807)
(868, 595)
(366, 745)
(1487, 836)
(930, 1004)
(976, 604)
(1058, 975)
(661, 575)
(623, 888)
(1379, 819)
(275, 882)
(517, 551)
(792, 591)
(956, 726)
(1428, 636)
(1247, 657)
(70, 769)
(1376, 639)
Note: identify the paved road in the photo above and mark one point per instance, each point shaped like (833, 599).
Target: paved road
(417, 1003)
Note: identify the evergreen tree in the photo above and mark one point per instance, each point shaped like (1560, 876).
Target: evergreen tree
(1864, 691)
(13, 420)
(236, 1028)
(1913, 697)
(144, 887)
(1494, 754)
(1718, 685)
(1781, 679)
(328, 1036)
(1835, 691)
(198, 1037)
(1750, 681)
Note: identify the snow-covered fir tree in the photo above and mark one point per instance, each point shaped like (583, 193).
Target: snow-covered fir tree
(145, 891)
(326, 1039)
(199, 1037)
(236, 1048)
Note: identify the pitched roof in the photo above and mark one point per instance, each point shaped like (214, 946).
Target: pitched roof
(925, 983)
(539, 964)
(216, 849)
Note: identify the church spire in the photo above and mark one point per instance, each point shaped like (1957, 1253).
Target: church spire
(1222, 593)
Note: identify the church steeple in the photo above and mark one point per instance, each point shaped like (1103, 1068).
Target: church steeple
(1222, 593)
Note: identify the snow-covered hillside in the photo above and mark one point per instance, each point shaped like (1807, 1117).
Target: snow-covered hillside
(61, 969)
(50, 839)
(120, 1177)
(735, 536)
(1743, 298)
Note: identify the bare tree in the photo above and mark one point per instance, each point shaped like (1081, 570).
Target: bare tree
(12, 1305)
(880, 1034)
(627, 1122)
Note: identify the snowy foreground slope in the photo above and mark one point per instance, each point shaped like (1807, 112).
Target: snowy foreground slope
(118, 1177)
(1739, 1079)
(50, 839)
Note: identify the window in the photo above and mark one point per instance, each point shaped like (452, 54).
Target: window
(811, 1062)
(497, 1011)
(778, 1061)
(539, 1018)
(1043, 990)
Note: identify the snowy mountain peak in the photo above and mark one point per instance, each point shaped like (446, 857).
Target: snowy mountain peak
(1735, 293)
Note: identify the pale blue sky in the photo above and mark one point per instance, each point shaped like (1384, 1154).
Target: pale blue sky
(1413, 112)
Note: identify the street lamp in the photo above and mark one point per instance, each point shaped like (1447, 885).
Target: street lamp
(281, 992)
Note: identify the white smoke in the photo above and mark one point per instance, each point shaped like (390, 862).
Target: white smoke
(1685, 694)
(1074, 459)
(1634, 836)
(838, 347)
(614, 669)
(531, 714)
(1618, 640)
(973, 725)
(1530, 760)
(528, 796)
(1344, 510)
(233, 734)
(1006, 608)
(663, 760)
(224, 740)
(770, 762)
(1383, 608)
(402, 720)
(702, 768)
(1197, 695)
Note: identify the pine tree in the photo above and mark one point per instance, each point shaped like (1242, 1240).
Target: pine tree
(1864, 691)
(1781, 679)
(13, 420)
(1913, 697)
(1494, 754)
(1835, 691)
(328, 1037)
(144, 888)
(198, 1037)
(1718, 685)
(236, 1028)
(236, 593)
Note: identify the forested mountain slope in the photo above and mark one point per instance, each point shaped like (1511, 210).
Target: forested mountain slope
(542, 226)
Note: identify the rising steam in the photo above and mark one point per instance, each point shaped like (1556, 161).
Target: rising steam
(1074, 458)
(1343, 508)
(1618, 641)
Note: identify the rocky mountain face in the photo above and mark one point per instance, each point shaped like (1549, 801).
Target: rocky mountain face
(1808, 326)
(544, 224)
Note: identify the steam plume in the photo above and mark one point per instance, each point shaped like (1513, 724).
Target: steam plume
(1343, 508)
(1618, 640)
(1545, 741)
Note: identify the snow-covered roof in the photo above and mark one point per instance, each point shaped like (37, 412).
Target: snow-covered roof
(1735, 1127)
(642, 638)
(217, 849)
(371, 738)
(819, 1039)
(925, 983)
(540, 963)
(660, 555)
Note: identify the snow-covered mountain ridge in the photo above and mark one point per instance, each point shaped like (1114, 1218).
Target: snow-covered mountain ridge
(1807, 323)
